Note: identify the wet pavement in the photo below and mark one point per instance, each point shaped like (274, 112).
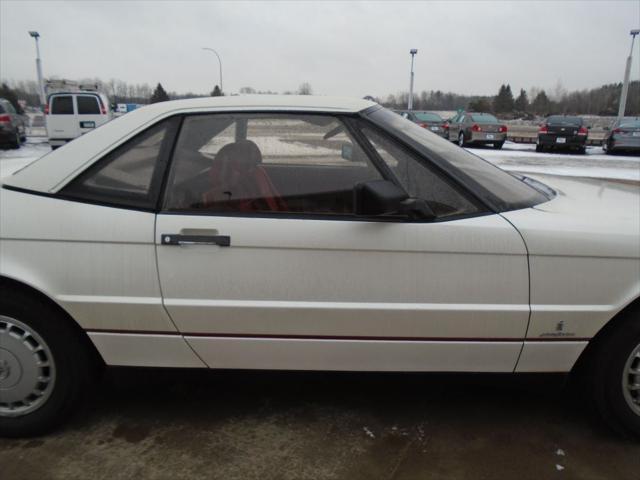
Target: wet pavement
(168, 424)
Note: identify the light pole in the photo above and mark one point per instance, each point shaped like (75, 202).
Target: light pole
(627, 72)
(36, 35)
(219, 63)
(413, 52)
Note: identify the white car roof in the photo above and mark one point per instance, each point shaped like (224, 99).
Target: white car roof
(52, 172)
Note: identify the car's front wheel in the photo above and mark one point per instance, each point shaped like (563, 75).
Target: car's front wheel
(461, 142)
(616, 376)
(44, 367)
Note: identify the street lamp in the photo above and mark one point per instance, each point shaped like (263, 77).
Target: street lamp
(627, 72)
(36, 35)
(219, 62)
(413, 52)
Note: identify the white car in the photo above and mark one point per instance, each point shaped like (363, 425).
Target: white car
(71, 114)
(306, 233)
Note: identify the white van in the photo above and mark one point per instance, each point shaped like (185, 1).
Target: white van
(71, 114)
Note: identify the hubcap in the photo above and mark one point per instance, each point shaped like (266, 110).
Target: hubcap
(461, 140)
(631, 381)
(27, 369)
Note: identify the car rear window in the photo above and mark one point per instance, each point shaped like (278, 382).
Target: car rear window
(484, 118)
(62, 105)
(428, 117)
(88, 105)
(630, 124)
(562, 120)
(2, 110)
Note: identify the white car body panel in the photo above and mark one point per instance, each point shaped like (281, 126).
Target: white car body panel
(98, 263)
(356, 355)
(584, 255)
(309, 278)
(471, 294)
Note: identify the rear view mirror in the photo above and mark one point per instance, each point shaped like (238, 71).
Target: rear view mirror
(382, 197)
(378, 197)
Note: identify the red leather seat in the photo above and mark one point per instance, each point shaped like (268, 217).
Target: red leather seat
(240, 183)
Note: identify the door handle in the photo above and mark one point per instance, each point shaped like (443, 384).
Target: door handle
(177, 239)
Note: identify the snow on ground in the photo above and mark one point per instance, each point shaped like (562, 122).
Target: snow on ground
(522, 157)
(514, 157)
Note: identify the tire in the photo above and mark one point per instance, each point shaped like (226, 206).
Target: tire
(539, 148)
(582, 150)
(616, 354)
(15, 144)
(498, 145)
(461, 142)
(62, 377)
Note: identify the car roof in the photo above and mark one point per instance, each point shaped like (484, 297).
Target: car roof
(54, 170)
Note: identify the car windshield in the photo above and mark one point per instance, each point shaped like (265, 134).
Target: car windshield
(428, 117)
(483, 118)
(562, 120)
(629, 124)
(499, 189)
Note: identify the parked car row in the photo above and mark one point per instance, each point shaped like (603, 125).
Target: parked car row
(557, 132)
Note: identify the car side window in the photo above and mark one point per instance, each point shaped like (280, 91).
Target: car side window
(62, 105)
(130, 175)
(265, 163)
(418, 180)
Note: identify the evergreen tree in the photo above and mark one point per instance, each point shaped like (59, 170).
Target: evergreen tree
(8, 94)
(503, 102)
(216, 92)
(159, 95)
(541, 104)
(479, 105)
(522, 102)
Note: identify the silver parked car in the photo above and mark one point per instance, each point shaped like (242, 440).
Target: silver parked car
(477, 129)
(623, 136)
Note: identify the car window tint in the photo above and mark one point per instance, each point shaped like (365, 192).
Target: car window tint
(262, 163)
(128, 176)
(62, 105)
(417, 179)
(2, 110)
(88, 105)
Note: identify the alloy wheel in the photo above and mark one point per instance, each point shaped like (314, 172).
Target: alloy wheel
(27, 369)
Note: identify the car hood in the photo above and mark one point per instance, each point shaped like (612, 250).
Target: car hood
(586, 217)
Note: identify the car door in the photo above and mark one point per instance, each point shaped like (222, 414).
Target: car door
(283, 275)
(62, 120)
(90, 114)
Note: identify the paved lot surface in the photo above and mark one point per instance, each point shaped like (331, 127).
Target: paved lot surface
(161, 424)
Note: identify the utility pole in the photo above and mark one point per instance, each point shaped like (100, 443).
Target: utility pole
(413, 52)
(219, 64)
(627, 72)
(43, 99)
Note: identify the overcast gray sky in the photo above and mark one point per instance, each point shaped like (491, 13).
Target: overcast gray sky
(341, 48)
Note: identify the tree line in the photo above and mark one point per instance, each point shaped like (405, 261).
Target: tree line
(120, 91)
(602, 100)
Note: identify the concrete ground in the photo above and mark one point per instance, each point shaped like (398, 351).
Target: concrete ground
(163, 424)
